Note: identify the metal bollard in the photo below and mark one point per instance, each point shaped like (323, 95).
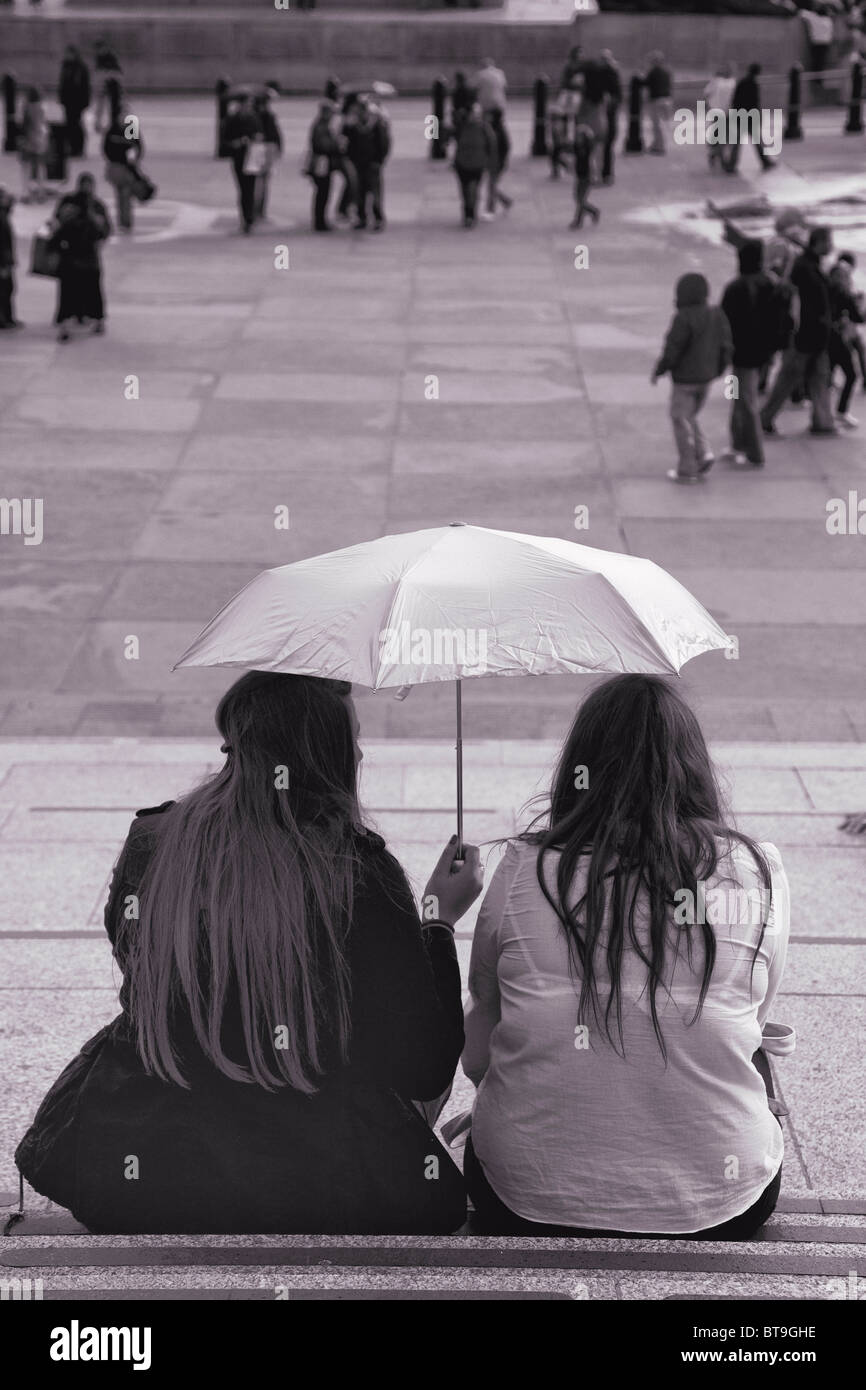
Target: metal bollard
(10, 93)
(540, 92)
(634, 139)
(438, 144)
(222, 89)
(854, 125)
(793, 128)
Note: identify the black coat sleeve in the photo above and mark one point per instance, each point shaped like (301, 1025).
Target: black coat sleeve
(407, 1015)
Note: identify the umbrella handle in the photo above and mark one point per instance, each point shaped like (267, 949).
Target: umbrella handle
(459, 750)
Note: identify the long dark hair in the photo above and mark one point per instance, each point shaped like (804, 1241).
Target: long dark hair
(249, 891)
(649, 818)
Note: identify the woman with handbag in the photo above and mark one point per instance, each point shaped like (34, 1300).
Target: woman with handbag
(80, 224)
(282, 1003)
(244, 138)
(123, 152)
(33, 140)
(324, 156)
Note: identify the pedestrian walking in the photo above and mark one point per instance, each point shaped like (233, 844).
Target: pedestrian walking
(273, 138)
(81, 224)
(659, 87)
(110, 97)
(74, 93)
(584, 143)
(754, 309)
(563, 115)
(846, 311)
(7, 262)
(496, 195)
(324, 155)
(746, 98)
(244, 139)
(473, 156)
(33, 141)
(462, 98)
(718, 96)
(123, 152)
(855, 339)
(697, 349)
(613, 90)
(807, 361)
(491, 86)
(368, 144)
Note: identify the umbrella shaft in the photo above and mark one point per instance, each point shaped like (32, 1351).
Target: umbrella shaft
(459, 769)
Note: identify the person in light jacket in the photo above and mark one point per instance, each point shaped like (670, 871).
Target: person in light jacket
(697, 349)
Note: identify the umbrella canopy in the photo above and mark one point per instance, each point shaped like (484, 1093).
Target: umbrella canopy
(459, 601)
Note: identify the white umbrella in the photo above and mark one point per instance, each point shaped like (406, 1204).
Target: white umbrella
(459, 601)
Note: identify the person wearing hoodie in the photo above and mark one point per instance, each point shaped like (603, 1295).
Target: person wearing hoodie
(697, 349)
(758, 315)
(807, 360)
(367, 147)
(474, 155)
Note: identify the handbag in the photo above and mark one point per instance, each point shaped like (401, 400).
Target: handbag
(44, 260)
(255, 159)
(142, 187)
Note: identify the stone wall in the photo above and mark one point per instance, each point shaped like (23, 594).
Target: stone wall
(189, 52)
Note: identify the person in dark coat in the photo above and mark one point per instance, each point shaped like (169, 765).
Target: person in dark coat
(282, 1007)
(367, 147)
(324, 157)
(696, 350)
(123, 153)
(81, 224)
(463, 97)
(757, 314)
(659, 86)
(807, 361)
(7, 262)
(473, 156)
(110, 99)
(746, 98)
(73, 93)
(243, 129)
(613, 90)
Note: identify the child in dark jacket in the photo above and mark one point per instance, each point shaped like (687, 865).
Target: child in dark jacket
(697, 349)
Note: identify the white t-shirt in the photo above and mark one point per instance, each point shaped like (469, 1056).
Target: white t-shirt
(719, 92)
(573, 1134)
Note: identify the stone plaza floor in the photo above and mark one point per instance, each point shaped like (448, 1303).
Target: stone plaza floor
(305, 388)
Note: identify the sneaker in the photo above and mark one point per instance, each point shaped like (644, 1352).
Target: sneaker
(850, 421)
(769, 429)
(706, 463)
(676, 476)
(487, 216)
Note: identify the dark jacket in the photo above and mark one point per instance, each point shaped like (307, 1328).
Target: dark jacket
(7, 242)
(759, 319)
(225, 1156)
(117, 149)
(367, 143)
(657, 82)
(323, 143)
(78, 234)
(240, 129)
(698, 344)
(476, 148)
(612, 82)
(73, 91)
(807, 277)
(747, 95)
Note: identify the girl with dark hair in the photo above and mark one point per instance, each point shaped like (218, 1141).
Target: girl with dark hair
(624, 963)
(282, 1004)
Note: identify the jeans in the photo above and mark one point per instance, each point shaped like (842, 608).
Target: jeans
(369, 190)
(121, 178)
(320, 202)
(687, 400)
(841, 356)
(746, 435)
(658, 113)
(470, 181)
(349, 195)
(246, 193)
(798, 368)
(493, 1217)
